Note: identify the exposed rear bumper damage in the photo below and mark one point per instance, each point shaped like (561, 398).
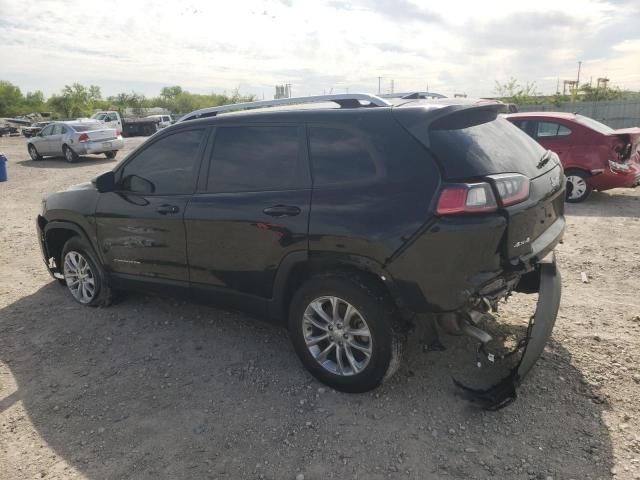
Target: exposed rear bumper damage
(541, 324)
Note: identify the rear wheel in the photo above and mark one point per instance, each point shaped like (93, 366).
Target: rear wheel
(83, 275)
(111, 154)
(578, 188)
(345, 334)
(69, 154)
(33, 153)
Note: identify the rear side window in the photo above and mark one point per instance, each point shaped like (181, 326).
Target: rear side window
(249, 159)
(166, 167)
(552, 129)
(340, 155)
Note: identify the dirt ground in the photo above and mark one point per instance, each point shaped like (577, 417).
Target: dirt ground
(167, 388)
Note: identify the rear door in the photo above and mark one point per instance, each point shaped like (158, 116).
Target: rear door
(140, 226)
(553, 136)
(252, 208)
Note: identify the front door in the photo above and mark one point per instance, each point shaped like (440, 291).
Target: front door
(140, 226)
(251, 210)
(41, 142)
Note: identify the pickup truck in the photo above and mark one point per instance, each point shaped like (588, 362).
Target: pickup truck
(132, 127)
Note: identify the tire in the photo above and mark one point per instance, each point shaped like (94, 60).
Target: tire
(33, 153)
(77, 257)
(578, 188)
(110, 155)
(370, 312)
(69, 155)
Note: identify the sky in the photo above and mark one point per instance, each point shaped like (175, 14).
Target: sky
(318, 47)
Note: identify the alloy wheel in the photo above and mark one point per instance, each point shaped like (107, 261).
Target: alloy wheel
(80, 279)
(337, 336)
(33, 153)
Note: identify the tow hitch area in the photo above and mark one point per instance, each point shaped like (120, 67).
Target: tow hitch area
(502, 393)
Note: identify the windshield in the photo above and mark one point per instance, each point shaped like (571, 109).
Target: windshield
(594, 125)
(99, 116)
(85, 127)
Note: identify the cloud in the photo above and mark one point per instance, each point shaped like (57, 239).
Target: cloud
(402, 10)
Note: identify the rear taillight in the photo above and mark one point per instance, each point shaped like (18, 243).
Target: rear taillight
(512, 187)
(83, 137)
(466, 198)
(118, 134)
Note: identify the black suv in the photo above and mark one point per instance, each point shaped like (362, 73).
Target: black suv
(349, 222)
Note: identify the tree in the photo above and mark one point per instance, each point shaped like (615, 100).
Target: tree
(10, 99)
(514, 92)
(34, 102)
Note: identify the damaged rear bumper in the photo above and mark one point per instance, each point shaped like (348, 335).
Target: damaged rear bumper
(539, 331)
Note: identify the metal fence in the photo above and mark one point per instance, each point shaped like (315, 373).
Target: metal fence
(615, 113)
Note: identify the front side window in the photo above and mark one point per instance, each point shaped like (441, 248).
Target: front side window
(166, 167)
(249, 159)
(47, 131)
(57, 129)
(339, 155)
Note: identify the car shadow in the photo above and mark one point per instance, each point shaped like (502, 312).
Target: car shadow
(165, 388)
(61, 162)
(621, 202)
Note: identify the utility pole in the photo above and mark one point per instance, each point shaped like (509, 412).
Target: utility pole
(392, 86)
(578, 80)
(379, 80)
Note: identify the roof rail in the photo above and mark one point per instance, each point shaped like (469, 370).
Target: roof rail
(412, 95)
(347, 100)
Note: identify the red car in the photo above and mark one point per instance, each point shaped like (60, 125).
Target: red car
(594, 156)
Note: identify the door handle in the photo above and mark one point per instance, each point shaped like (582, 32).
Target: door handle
(165, 209)
(282, 211)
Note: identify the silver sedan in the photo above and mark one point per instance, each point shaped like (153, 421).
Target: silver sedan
(72, 139)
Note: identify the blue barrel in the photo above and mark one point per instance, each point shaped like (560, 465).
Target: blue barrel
(3, 168)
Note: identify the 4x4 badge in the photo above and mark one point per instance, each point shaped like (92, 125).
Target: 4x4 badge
(522, 242)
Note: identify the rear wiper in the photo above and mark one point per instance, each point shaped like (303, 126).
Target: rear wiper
(544, 160)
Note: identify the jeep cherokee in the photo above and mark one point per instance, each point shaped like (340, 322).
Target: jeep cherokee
(348, 222)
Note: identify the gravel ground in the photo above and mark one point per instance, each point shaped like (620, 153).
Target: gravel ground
(167, 388)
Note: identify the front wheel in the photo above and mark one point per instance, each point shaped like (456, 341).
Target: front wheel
(33, 153)
(83, 275)
(69, 154)
(346, 335)
(578, 188)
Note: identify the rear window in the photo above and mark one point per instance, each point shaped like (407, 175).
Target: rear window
(594, 125)
(85, 127)
(477, 143)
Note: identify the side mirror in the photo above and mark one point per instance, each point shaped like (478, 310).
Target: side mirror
(105, 183)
